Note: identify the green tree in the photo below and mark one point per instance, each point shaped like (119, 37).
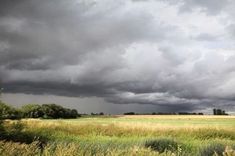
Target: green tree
(52, 111)
(2, 130)
(1, 122)
(47, 111)
(0, 104)
(8, 112)
(32, 111)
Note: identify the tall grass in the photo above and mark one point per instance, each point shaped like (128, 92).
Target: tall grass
(130, 130)
(72, 149)
(126, 136)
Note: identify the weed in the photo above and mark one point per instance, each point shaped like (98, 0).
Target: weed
(162, 145)
(213, 149)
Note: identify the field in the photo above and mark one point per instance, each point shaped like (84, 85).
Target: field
(129, 135)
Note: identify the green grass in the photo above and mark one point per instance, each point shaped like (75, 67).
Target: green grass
(123, 134)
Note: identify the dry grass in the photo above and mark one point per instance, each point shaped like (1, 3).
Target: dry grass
(126, 135)
(71, 149)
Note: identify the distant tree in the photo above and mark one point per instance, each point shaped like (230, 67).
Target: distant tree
(219, 112)
(36, 111)
(183, 113)
(74, 113)
(0, 104)
(56, 111)
(92, 113)
(70, 113)
(101, 113)
(1, 123)
(2, 130)
(214, 111)
(53, 111)
(129, 113)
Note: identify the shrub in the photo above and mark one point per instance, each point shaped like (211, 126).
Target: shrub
(213, 149)
(162, 145)
(14, 131)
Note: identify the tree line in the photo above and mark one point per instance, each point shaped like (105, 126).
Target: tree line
(219, 112)
(45, 111)
(163, 113)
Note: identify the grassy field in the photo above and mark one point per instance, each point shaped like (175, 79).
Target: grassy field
(131, 135)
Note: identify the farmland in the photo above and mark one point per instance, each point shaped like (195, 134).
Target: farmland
(128, 135)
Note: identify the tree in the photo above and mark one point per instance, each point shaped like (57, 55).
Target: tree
(129, 113)
(219, 112)
(214, 111)
(8, 112)
(50, 111)
(55, 111)
(1, 126)
(0, 104)
(74, 113)
(32, 111)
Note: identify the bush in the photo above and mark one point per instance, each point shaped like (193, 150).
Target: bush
(14, 131)
(162, 145)
(213, 149)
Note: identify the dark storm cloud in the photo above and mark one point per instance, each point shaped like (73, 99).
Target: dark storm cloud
(177, 55)
(63, 89)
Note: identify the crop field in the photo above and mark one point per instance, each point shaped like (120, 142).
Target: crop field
(129, 135)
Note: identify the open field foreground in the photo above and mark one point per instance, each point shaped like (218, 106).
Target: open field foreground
(128, 135)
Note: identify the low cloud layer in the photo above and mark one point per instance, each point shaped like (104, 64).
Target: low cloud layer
(174, 54)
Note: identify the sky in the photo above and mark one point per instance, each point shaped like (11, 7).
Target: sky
(116, 56)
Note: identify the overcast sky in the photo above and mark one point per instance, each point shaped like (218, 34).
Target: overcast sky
(119, 55)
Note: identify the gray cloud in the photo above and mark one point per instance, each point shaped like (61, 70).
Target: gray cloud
(209, 6)
(125, 52)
